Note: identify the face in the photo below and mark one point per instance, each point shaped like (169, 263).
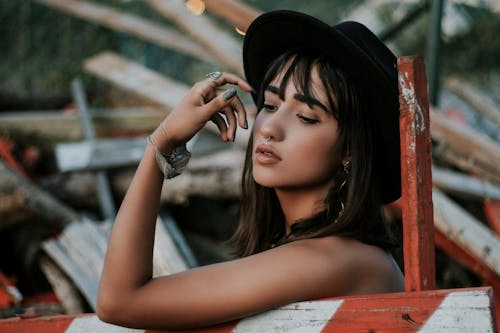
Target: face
(294, 144)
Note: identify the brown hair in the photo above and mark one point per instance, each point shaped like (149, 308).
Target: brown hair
(262, 223)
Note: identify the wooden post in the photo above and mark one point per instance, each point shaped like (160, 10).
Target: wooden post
(416, 179)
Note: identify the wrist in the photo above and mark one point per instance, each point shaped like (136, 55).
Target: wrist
(166, 147)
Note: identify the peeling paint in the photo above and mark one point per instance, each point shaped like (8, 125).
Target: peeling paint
(410, 98)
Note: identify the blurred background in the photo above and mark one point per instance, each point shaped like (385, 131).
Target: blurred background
(83, 82)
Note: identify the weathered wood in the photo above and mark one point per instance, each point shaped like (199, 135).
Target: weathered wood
(475, 98)
(454, 310)
(467, 232)
(492, 212)
(466, 141)
(40, 201)
(490, 278)
(65, 290)
(468, 164)
(235, 12)
(136, 79)
(416, 179)
(132, 25)
(99, 154)
(80, 250)
(147, 83)
(58, 126)
(106, 203)
(464, 185)
(217, 42)
(217, 175)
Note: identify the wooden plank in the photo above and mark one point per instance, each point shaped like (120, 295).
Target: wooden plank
(490, 278)
(99, 154)
(464, 185)
(416, 179)
(466, 141)
(475, 98)
(492, 212)
(136, 79)
(80, 250)
(132, 25)
(149, 84)
(465, 231)
(64, 288)
(235, 12)
(454, 310)
(216, 41)
(58, 126)
(54, 211)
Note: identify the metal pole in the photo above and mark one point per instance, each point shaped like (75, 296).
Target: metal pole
(103, 187)
(434, 51)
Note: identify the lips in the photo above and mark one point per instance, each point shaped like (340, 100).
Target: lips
(266, 154)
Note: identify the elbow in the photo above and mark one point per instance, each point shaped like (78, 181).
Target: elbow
(109, 310)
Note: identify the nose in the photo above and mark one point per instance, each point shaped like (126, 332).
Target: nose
(271, 124)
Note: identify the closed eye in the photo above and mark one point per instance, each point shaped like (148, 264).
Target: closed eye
(307, 120)
(269, 107)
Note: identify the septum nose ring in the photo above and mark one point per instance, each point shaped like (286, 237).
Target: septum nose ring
(267, 138)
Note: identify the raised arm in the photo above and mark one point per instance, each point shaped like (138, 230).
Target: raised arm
(129, 296)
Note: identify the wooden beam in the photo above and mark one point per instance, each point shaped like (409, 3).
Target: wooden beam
(475, 98)
(416, 179)
(466, 231)
(130, 24)
(466, 141)
(489, 277)
(454, 310)
(40, 201)
(148, 84)
(216, 41)
(57, 126)
(233, 11)
(79, 251)
(465, 163)
(464, 185)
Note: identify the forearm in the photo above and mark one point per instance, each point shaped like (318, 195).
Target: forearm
(128, 261)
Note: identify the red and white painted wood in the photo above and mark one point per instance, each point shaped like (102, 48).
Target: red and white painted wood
(456, 310)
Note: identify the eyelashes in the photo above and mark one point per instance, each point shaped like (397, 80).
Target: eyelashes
(303, 119)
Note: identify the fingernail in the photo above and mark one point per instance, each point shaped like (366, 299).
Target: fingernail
(246, 124)
(229, 93)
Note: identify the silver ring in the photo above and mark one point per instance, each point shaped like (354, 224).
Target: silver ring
(267, 138)
(214, 75)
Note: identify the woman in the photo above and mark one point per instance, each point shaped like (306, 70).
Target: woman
(322, 159)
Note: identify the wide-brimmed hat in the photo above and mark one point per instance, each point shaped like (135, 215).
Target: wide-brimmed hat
(362, 56)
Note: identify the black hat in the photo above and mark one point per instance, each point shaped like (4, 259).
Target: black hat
(355, 49)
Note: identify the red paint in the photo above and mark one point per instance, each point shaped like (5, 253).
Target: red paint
(5, 153)
(52, 324)
(416, 179)
(477, 266)
(492, 212)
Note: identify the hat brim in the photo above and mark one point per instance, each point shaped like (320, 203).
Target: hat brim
(274, 33)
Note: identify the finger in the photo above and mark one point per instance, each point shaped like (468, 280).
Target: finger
(221, 125)
(219, 102)
(231, 120)
(230, 78)
(242, 114)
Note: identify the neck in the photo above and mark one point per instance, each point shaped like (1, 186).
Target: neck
(301, 203)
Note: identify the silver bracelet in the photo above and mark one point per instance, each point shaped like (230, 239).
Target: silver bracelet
(170, 165)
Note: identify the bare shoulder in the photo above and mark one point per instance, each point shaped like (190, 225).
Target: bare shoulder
(357, 268)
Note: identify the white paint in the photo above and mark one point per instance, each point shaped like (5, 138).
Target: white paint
(410, 98)
(304, 317)
(87, 324)
(462, 311)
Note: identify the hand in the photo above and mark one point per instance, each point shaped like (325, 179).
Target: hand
(204, 102)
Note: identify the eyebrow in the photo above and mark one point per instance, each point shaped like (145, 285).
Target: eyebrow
(301, 98)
